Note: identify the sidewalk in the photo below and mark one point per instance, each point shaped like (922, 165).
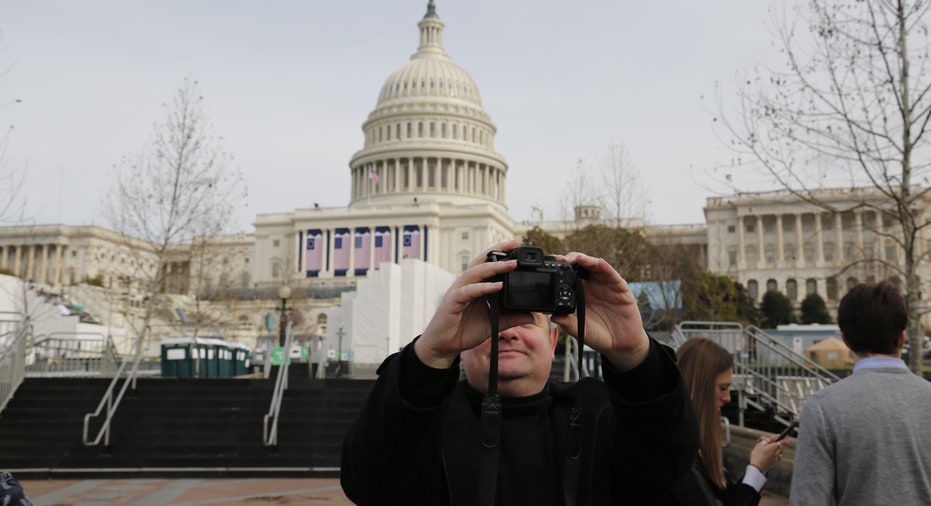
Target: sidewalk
(215, 492)
(178, 492)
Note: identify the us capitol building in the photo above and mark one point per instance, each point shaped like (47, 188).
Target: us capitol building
(428, 193)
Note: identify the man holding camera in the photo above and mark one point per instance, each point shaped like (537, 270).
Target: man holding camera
(421, 437)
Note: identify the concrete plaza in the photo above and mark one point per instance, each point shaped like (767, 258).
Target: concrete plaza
(214, 492)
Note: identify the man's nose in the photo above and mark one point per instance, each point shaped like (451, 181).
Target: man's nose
(507, 334)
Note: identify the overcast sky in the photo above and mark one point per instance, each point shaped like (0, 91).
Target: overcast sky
(289, 83)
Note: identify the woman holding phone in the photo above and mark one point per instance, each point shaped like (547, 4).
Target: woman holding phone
(708, 371)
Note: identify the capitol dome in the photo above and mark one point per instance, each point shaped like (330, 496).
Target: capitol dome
(428, 138)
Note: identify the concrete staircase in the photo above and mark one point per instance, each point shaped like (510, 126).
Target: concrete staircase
(173, 427)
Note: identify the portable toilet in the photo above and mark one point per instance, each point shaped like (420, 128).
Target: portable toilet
(179, 356)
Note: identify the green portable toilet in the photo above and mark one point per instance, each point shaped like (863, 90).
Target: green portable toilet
(213, 351)
(226, 367)
(240, 358)
(178, 357)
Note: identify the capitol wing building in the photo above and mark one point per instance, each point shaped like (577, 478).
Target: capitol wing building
(428, 193)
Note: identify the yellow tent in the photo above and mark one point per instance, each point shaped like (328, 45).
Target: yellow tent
(830, 353)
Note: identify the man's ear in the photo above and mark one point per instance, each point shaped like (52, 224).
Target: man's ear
(554, 338)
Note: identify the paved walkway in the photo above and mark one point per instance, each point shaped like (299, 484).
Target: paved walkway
(215, 492)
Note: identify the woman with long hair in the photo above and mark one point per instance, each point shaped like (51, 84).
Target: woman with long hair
(708, 371)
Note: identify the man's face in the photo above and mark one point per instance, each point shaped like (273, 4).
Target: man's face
(525, 357)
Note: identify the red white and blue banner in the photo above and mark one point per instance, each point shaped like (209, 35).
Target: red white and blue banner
(382, 245)
(410, 242)
(342, 245)
(362, 244)
(314, 249)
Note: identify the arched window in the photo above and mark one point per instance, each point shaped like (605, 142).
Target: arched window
(811, 286)
(771, 285)
(831, 288)
(792, 289)
(753, 289)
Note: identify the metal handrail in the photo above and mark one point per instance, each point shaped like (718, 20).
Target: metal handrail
(108, 401)
(764, 367)
(12, 354)
(270, 430)
(68, 353)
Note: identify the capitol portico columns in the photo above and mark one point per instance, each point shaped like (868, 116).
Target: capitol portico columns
(839, 234)
(59, 253)
(819, 245)
(799, 251)
(741, 244)
(760, 250)
(780, 247)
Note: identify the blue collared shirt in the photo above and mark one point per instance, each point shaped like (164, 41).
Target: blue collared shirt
(879, 362)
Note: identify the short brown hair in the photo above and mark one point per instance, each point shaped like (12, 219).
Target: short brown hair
(872, 317)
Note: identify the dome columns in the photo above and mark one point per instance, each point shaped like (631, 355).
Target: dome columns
(428, 174)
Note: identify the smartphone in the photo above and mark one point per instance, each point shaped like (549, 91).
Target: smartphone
(785, 432)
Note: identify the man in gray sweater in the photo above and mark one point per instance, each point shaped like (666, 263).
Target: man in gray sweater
(867, 439)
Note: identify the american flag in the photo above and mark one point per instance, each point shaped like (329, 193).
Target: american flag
(341, 250)
(363, 247)
(373, 175)
(410, 248)
(313, 252)
(382, 245)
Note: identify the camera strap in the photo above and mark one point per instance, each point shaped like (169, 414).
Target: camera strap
(572, 471)
(490, 423)
(490, 428)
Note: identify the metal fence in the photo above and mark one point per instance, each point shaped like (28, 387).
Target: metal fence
(71, 354)
(14, 331)
(768, 375)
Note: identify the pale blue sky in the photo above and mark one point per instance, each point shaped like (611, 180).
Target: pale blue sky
(289, 83)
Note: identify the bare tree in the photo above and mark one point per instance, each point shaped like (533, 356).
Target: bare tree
(11, 178)
(179, 188)
(850, 109)
(623, 194)
(580, 190)
(612, 187)
(11, 182)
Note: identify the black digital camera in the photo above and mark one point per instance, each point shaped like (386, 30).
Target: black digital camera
(539, 284)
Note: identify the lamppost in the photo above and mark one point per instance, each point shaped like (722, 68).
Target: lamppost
(284, 293)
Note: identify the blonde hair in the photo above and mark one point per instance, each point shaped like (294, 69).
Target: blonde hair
(701, 361)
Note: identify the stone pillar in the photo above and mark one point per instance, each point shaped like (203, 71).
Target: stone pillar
(760, 251)
(42, 276)
(741, 245)
(858, 224)
(59, 253)
(819, 244)
(501, 185)
(30, 263)
(18, 260)
(780, 246)
(410, 175)
(839, 234)
(799, 250)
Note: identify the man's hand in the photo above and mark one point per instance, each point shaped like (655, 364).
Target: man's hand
(613, 325)
(462, 321)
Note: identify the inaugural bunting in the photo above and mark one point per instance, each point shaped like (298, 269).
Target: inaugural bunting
(313, 252)
(363, 250)
(410, 246)
(341, 250)
(382, 245)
